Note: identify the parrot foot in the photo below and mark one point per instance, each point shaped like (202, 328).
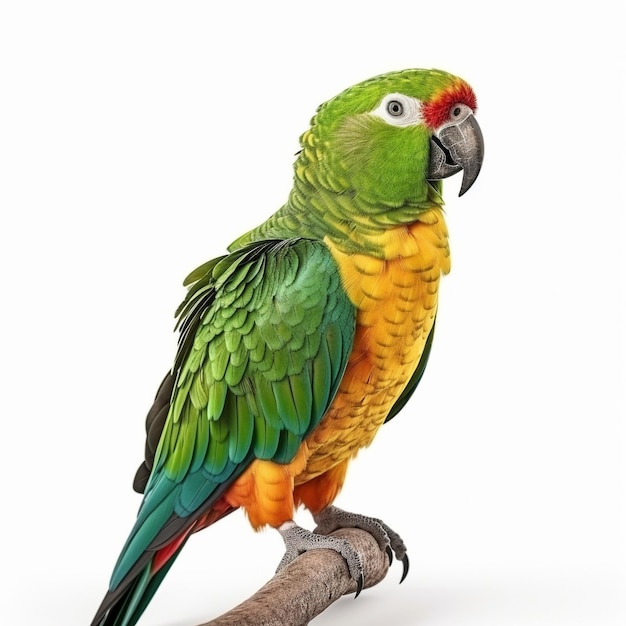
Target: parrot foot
(331, 518)
(299, 540)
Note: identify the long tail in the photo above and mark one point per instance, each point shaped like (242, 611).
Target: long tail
(124, 604)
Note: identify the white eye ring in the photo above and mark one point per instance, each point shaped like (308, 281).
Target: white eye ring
(399, 110)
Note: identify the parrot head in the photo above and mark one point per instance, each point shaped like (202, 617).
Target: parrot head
(387, 139)
(374, 156)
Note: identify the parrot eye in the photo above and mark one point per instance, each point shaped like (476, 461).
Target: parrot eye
(395, 108)
(399, 110)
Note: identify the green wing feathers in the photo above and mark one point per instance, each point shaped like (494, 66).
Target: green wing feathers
(265, 334)
(266, 323)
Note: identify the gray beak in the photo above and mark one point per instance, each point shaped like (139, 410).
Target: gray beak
(457, 146)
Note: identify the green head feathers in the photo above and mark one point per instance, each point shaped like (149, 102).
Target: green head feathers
(372, 152)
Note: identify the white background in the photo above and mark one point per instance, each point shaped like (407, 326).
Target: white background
(137, 139)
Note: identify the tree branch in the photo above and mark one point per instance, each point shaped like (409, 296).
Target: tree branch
(308, 585)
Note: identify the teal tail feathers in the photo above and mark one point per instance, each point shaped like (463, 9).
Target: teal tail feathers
(124, 605)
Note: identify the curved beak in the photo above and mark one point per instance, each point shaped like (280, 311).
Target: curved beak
(454, 147)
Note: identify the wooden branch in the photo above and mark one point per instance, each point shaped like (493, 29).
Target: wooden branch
(308, 585)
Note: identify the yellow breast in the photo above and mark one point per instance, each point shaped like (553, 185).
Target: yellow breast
(396, 301)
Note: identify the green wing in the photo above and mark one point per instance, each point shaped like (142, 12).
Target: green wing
(265, 334)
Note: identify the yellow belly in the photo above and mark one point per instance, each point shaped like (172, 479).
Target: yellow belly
(396, 300)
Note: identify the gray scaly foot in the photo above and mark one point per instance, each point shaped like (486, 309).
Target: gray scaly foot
(299, 540)
(331, 518)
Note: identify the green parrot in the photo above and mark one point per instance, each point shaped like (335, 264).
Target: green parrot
(314, 329)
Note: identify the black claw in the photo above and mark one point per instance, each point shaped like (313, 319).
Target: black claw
(359, 586)
(389, 554)
(405, 567)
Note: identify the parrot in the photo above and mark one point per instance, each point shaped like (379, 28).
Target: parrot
(304, 338)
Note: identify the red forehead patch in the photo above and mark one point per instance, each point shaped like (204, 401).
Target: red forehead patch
(437, 111)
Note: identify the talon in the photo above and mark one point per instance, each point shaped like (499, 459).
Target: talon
(331, 518)
(405, 567)
(389, 553)
(359, 586)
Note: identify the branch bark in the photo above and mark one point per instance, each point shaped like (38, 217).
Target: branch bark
(308, 585)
